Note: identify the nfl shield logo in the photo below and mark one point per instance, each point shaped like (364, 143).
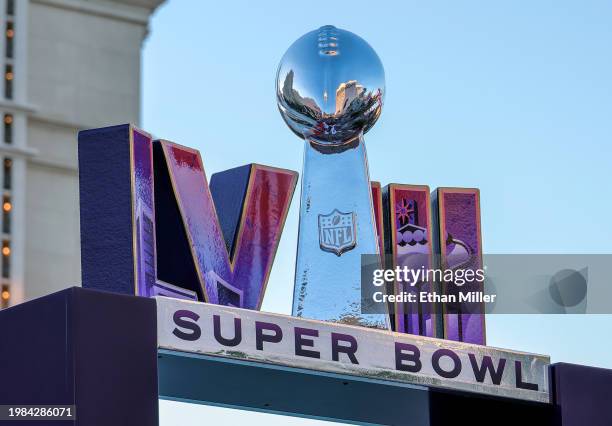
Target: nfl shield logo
(337, 232)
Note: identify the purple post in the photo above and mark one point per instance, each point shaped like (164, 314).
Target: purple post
(408, 210)
(459, 243)
(92, 350)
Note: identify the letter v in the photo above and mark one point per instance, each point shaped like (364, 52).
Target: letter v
(250, 205)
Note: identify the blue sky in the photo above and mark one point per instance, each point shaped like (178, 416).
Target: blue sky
(512, 97)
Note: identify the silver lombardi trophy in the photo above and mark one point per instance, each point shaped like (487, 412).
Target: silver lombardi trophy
(330, 86)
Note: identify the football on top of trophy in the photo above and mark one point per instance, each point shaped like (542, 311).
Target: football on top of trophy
(330, 86)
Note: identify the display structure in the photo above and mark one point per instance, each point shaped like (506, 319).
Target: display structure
(175, 267)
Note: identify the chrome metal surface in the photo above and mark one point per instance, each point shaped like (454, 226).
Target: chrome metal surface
(327, 282)
(330, 87)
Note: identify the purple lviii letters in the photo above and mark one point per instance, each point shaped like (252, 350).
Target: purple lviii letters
(152, 225)
(459, 243)
(448, 237)
(187, 240)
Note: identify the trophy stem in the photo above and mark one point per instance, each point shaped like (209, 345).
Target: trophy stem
(336, 227)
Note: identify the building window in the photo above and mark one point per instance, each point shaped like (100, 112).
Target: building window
(5, 295)
(10, 7)
(10, 36)
(8, 128)
(6, 255)
(7, 206)
(8, 169)
(8, 81)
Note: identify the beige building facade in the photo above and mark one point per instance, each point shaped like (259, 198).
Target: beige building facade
(67, 65)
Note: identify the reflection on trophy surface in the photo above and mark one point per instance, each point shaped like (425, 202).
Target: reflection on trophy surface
(330, 88)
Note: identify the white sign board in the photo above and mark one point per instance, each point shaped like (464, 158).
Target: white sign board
(336, 348)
